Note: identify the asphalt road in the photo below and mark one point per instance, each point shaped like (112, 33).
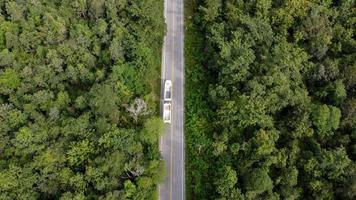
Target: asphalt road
(172, 141)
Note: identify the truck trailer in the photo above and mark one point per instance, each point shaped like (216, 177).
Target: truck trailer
(167, 107)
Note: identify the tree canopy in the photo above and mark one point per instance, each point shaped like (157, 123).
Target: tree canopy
(78, 113)
(272, 115)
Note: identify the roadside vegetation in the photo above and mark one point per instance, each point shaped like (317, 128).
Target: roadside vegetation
(79, 95)
(270, 99)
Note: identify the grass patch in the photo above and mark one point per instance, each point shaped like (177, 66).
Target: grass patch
(197, 123)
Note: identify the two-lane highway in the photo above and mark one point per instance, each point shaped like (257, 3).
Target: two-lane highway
(172, 141)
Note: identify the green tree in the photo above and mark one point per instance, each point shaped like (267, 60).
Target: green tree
(257, 181)
(9, 80)
(153, 128)
(326, 119)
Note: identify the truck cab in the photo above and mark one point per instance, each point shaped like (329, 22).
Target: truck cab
(168, 90)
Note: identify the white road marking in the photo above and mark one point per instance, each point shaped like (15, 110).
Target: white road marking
(182, 59)
(173, 85)
(162, 79)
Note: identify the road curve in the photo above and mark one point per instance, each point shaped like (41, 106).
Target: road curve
(172, 141)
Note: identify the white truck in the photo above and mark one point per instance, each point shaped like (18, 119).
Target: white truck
(167, 113)
(167, 106)
(168, 90)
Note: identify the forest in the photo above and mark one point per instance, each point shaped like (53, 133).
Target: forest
(270, 99)
(79, 99)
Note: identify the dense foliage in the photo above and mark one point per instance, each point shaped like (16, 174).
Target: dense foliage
(271, 106)
(79, 84)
